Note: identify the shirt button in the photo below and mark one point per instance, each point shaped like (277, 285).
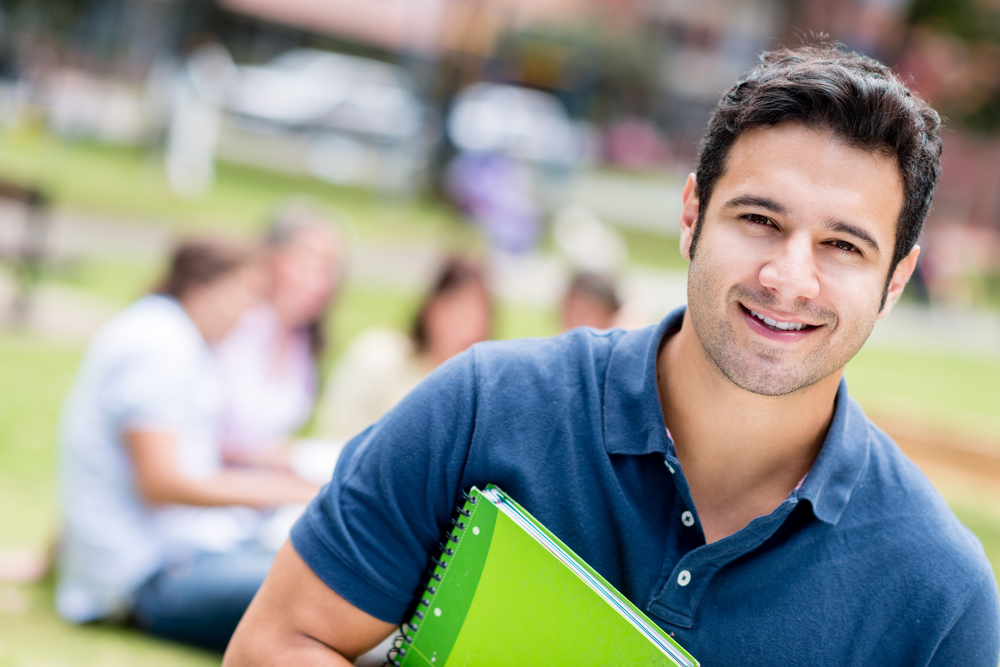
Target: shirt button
(684, 578)
(687, 519)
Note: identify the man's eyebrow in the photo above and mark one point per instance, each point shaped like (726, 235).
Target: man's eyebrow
(834, 225)
(759, 202)
(857, 232)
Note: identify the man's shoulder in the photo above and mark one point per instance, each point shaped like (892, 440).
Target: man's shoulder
(910, 521)
(580, 347)
(153, 327)
(545, 368)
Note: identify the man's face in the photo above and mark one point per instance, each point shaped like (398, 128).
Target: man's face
(799, 231)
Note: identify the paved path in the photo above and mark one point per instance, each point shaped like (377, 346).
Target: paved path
(959, 331)
(57, 313)
(965, 469)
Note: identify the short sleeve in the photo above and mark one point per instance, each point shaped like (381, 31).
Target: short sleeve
(147, 389)
(974, 638)
(369, 533)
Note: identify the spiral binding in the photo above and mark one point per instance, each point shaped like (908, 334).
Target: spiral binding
(435, 572)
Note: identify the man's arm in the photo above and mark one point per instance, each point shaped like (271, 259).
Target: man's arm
(154, 455)
(394, 488)
(296, 619)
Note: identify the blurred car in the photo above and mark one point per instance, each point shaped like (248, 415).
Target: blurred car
(341, 118)
(517, 122)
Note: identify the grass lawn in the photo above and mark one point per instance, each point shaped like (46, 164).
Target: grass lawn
(654, 249)
(128, 183)
(33, 378)
(939, 390)
(33, 636)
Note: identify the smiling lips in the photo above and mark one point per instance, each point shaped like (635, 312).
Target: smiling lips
(779, 326)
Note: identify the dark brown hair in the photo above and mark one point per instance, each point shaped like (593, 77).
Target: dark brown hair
(456, 273)
(198, 262)
(857, 98)
(596, 286)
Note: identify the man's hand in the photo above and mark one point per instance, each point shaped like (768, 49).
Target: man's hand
(296, 619)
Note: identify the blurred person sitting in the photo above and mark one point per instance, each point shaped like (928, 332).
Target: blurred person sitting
(382, 365)
(590, 301)
(269, 362)
(157, 533)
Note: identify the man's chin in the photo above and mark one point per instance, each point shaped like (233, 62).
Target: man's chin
(772, 382)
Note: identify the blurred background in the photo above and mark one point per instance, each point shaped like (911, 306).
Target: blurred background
(544, 138)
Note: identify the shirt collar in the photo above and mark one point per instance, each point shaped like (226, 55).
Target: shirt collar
(843, 457)
(633, 418)
(633, 421)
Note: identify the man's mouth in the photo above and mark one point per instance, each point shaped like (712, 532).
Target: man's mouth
(776, 325)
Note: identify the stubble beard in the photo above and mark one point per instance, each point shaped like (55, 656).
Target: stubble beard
(759, 366)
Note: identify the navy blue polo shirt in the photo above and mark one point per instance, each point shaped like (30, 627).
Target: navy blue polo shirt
(863, 564)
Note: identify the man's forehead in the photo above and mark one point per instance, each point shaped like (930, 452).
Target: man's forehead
(793, 131)
(803, 168)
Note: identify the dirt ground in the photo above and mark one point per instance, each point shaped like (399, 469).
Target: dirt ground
(965, 468)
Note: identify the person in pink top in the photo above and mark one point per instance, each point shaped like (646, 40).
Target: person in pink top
(269, 361)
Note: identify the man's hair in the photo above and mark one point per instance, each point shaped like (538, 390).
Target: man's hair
(199, 262)
(597, 287)
(858, 99)
(455, 273)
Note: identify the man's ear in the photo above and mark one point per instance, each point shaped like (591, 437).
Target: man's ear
(689, 215)
(899, 278)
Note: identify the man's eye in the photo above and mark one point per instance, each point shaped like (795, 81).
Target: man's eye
(758, 219)
(845, 246)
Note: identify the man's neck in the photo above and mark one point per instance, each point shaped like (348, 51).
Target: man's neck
(742, 453)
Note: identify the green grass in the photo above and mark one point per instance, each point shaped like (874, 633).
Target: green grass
(128, 182)
(33, 377)
(119, 280)
(652, 249)
(991, 289)
(33, 635)
(935, 389)
(987, 529)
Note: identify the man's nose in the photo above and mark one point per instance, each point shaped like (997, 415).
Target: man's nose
(792, 272)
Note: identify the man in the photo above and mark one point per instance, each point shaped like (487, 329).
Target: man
(712, 468)
(590, 301)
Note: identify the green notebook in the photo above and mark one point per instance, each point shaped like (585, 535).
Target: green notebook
(506, 591)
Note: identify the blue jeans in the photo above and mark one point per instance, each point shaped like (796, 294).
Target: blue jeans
(200, 601)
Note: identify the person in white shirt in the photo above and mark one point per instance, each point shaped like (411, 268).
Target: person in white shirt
(157, 532)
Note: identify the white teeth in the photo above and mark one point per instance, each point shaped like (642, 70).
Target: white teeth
(784, 326)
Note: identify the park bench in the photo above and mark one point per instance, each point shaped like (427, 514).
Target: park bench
(23, 249)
